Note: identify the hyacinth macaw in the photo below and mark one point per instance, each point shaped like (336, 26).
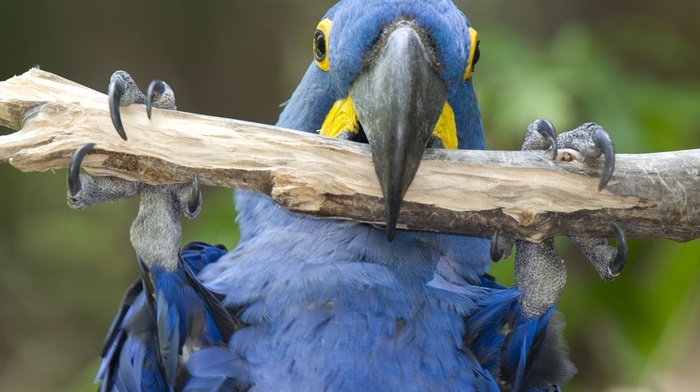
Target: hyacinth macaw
(317, 304)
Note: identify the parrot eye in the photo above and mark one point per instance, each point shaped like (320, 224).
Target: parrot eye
(321, 44)
(477, 54)
(474, 53)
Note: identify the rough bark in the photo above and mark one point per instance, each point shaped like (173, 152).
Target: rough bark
(522, 194)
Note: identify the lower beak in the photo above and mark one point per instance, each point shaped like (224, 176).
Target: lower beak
(398, 101)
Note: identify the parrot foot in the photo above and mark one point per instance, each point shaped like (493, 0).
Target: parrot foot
(539, 271)
(123, 91)
(608, 261)
(192, 197)
(590, 141)
(540, 274)
(158, 219)
(84, 190)
(541, 136)
(585, 143)
(74, 184)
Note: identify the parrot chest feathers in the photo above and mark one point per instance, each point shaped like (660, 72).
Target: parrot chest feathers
(374, 322)
(343, 300)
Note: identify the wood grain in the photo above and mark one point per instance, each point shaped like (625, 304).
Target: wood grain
(523, 194)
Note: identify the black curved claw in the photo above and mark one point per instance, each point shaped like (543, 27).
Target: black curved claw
(155, 90)
(115, 93)
(602, 140)
(621, 256)
(74, 168)
(496, 254)
(546, 129)
(195, 199)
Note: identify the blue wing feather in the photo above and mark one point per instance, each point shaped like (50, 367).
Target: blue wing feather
(526, 352)
(143, 347)
(168, 337)
(217, 369)
(130, 364)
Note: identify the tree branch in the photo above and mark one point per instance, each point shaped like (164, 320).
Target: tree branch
(522, 194)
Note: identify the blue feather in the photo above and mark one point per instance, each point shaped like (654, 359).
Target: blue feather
(527, 353)
(216, 369)
(144, 347)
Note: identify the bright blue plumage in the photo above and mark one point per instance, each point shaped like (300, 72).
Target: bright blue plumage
(333, 305)
(156, 323)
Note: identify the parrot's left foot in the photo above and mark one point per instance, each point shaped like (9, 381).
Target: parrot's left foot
(539, 271)
(123, 91)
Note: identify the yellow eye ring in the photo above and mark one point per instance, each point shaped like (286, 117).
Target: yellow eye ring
(321, 38)
(474, 53)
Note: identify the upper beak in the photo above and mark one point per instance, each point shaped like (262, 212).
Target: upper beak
(398, 101)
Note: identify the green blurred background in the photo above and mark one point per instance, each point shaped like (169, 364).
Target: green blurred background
(631, 65)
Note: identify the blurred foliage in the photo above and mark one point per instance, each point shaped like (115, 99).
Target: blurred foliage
(63, 272)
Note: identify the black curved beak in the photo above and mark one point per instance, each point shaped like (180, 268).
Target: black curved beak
(398, 100)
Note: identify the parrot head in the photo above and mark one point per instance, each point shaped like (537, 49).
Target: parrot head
(394, 74)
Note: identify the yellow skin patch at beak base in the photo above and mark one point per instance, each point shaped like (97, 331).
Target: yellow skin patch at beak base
(343, 118)
(445, 128)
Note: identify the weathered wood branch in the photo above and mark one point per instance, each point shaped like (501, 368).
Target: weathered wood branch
(520, 193)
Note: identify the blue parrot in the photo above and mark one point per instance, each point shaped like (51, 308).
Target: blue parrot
(317, 304)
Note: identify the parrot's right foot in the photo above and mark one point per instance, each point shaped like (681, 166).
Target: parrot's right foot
(84, 190)
(158, 219)
(75, 186)
(123, 91)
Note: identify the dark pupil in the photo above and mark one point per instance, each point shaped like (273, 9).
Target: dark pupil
(477, 54)
(319, 45)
